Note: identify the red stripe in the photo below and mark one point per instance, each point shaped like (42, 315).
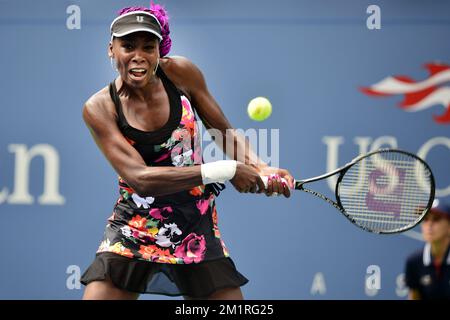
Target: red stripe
(443, 118)
(414, 97)
(405, 79)
(434, 68)
(371, 92)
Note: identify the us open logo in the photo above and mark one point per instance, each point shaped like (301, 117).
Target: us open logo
(418, 95)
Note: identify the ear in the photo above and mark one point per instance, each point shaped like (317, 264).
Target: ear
(110, 51)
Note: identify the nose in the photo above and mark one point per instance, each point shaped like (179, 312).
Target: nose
(138, 57)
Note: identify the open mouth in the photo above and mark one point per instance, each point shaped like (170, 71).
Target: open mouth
(137, 72)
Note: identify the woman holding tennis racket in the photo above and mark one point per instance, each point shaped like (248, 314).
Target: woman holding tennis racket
(163, 236)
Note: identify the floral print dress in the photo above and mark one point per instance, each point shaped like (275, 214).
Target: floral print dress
(180, 228)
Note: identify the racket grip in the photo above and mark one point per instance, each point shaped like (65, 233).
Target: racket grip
(265, 180)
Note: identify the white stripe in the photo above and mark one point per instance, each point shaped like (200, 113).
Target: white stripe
(440, 96)
(391, 85)
(136, 30)
(427, 255)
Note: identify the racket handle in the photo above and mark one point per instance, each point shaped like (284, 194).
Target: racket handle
(265, 180)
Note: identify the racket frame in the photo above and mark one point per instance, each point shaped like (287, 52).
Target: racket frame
(299, 185)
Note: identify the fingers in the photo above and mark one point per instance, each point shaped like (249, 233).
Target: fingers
(288, 177)
(269, 189)
(286, 189)
(257, 187)
(260, 184)
(273, 185)
(277, 186)
(290, 181)
(280, 182)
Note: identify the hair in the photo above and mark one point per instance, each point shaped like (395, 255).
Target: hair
(161, 14)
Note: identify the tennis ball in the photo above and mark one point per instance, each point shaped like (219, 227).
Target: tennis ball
(259, 109)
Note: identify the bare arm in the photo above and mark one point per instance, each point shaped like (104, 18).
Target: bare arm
(127, 162)
(234, 145)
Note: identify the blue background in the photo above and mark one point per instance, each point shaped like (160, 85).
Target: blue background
(308, 57)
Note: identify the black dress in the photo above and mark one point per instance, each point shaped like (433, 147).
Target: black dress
(168, 244)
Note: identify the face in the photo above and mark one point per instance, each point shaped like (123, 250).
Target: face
(136, 56)
(435, 227)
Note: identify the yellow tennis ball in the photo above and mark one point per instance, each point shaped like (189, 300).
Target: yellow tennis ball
(259, 109)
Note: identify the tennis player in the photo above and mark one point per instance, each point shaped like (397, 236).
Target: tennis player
(163, 235)
(428, 270)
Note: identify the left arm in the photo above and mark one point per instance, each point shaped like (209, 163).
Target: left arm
(234, 145)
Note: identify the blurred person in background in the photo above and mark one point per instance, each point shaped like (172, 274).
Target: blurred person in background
(427, 272)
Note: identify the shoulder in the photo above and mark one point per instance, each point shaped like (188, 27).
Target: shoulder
(178, 65)
(99, 105)
(415, 258)
(183, 72)
(413, 270)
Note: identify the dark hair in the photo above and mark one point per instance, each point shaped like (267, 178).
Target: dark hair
(161, 14)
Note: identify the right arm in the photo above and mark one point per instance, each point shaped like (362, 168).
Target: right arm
(127, 162)
(412, 278)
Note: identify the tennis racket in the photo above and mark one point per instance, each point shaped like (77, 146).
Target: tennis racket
(385, 191)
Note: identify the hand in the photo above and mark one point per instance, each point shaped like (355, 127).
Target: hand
(275, 184)
(247, 179)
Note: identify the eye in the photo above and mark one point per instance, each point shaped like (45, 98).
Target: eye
(127, 46)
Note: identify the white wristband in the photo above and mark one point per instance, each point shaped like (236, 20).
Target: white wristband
(218, 171)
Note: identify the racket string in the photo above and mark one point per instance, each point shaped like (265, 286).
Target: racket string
(386, 191)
